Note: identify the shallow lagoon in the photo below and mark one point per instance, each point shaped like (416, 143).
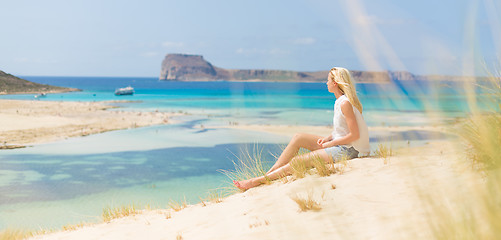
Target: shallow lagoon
(50, 185)
(70, 181)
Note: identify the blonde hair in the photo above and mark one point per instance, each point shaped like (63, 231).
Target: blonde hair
(343, 78)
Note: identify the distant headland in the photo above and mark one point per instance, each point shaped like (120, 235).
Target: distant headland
(186, 67)
(10, 84)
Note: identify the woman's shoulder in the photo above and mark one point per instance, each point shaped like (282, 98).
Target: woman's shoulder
(346, 106)
(342, 99)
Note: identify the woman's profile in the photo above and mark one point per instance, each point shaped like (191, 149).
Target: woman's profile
(348, 140)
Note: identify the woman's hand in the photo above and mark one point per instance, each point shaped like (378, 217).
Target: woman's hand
(324, 140)
(328, 144)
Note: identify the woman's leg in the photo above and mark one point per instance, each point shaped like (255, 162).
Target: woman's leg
(284, 170)
(300, 140)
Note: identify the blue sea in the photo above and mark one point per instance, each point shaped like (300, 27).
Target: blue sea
(71, 181)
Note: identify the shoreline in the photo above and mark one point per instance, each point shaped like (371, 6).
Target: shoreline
(66, 90)
(28, 122)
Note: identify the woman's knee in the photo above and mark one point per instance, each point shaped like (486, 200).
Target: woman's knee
(305, 140)
(298, 137)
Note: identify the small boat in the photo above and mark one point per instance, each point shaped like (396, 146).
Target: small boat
(41, 95)
(124, 91)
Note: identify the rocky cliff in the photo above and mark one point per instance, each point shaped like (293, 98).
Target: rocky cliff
(10, 84)
(184, 67)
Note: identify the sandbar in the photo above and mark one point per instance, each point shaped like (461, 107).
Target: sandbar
(25, 122)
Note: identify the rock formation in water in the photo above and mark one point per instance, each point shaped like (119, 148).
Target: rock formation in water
(185, 67)
(182, 67)
(10, 84)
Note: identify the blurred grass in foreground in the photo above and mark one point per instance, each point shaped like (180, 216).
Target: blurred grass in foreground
(476, 211)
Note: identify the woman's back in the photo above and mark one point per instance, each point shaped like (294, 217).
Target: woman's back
(341, 127)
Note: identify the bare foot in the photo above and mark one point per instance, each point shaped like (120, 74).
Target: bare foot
(245, 184)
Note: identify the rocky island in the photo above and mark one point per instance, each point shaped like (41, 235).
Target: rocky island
(186, 67)
(10, 84)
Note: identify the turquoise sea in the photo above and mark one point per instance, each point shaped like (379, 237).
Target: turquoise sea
(71, 181)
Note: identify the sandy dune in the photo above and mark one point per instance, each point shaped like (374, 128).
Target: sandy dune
(371, 199)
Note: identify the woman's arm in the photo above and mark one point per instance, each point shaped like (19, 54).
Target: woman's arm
(351, 121)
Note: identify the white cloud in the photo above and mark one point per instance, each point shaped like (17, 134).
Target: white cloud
(304, 41)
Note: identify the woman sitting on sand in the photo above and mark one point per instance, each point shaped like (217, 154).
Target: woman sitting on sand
(349, 139)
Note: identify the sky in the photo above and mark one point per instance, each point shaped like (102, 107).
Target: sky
(130, 38)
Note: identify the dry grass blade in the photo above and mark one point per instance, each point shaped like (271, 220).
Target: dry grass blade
(482, 137)
(477, 215)
(179, 236)
(308, 203)
(298, 166)
(12, 234)
(110, 213)
(383, 151)
(299, 169)
(178, 206)
(72, 227)
(214, 196)
(247, 165)
(341, 165)
(322, 167)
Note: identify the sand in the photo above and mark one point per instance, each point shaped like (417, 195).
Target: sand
(32, 122)
(372, 198)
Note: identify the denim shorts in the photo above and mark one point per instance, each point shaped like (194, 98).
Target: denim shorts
(341, 152)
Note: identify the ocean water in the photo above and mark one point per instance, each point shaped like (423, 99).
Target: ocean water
(71, 181)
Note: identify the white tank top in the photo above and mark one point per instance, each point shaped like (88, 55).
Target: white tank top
(341, 128)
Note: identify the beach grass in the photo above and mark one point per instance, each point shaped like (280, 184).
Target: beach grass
(71, 227)
(384, 151)
(13, 234)
(307, 203)
(477, 215)
(178, 205)
(110, 213)
(341, 165)
(322, 167)
(247, 165)
(481, 135)
(298, 168)
(214, 196)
